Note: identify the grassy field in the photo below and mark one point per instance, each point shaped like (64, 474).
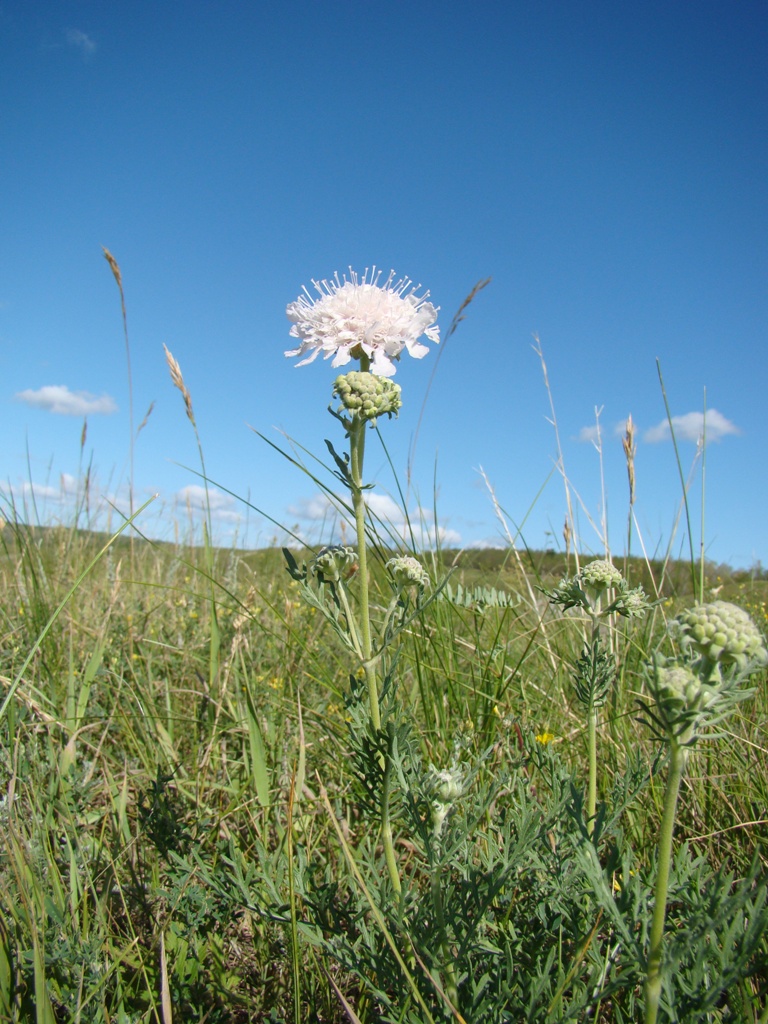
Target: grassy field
(370, 783)
(191, 818)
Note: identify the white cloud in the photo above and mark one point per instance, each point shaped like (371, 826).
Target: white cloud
(81, 41)
(690, 427)
(384, 508)
(222, 506)
(489, 544)
(589, 435)
(195, 497)
(40, 492)
(59, 399)
(69, 487)
(316, 509)
(420, 522)
(425, 535)
(69, 484)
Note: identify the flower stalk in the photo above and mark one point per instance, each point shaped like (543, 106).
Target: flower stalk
(451, 987)
(592, 768)
(447, 787)
(599, 590)
(357, 427)
(386, 824)
(360, 415)
(592, 711)
(356, 459)
(653, 978)
(721, 648)
(359, 318)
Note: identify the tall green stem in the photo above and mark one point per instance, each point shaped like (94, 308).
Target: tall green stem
(450, 974)
(678, 759)
(386, 826)
(356, 459)
(357, 455)
(592, 782)
(592, 732)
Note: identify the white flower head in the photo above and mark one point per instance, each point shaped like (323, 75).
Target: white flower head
(358, 316)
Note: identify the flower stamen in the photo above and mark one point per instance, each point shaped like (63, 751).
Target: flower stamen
(356, 316)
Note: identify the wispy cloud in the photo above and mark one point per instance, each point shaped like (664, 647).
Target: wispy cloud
(223, 507)
(22, 494)
(81, 41)
(488, 544)
(59, 399)
(690, 427)
(68, 488)
(419, 524)
(320, 511)
(589, 435)
(316, 509)
(385, 508)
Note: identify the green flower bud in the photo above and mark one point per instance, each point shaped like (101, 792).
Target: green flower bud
(334, 563)
(600, 575)
(407, 571)
(677, 687)
(586, 589)
(367, 395)
(447, 786)
(631, 603)
(721, 632)
(687, 703)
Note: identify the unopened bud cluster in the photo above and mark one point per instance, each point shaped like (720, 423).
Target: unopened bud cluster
(680, 687)
(726, 647)
(407, 571)
(446, 787)
(632, 603)
(600, 575)
(334, 563)
(685, 702)
(721, 633)
(367, 395)
(589, 586)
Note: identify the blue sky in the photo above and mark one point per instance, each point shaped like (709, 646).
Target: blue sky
(605, 164)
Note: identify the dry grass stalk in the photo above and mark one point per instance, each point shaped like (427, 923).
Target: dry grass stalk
(178, 382)
(457, 319)
(511, 540)
(630, 449)
(114, 267)
(245, 616)
(146, 417)
(560, 461)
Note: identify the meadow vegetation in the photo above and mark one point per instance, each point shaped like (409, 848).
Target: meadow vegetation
(223, 800)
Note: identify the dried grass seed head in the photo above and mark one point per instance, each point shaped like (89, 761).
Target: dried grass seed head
(178, 381)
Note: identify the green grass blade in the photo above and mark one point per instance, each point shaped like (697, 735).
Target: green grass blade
(680, 472)
(36, 646)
